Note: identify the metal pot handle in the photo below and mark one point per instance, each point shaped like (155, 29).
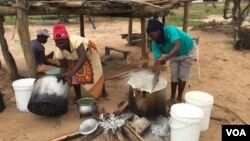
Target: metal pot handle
(59, 78)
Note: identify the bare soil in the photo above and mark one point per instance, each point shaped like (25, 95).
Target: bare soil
(224, 74)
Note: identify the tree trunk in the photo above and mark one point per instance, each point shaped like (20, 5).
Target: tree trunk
(144, 52)
(82, 33)
(23, 31)
(130, 31)
(244, 35)
(10, 62)
(186, 16)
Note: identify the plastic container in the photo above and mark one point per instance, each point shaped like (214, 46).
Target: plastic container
(22, 90)
(204, 101)
(185, 122)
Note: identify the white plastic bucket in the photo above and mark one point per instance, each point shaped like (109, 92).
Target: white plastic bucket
(22, 90)
(185, 122)
(204, 101)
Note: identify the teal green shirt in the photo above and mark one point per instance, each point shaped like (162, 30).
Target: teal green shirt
(172, 34)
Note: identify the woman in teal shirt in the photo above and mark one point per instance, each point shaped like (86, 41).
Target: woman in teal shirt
(170, 43)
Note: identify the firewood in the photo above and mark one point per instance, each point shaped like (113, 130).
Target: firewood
(122, 107)
(76, 135)
(67, 136)
(129, 134)
(93, 135)
(110, 136)
(122, 74)
(120, 135)
(134, 132)
(140, 124)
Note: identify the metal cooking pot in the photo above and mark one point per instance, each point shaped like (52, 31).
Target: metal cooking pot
(86, 109)
(49, 96)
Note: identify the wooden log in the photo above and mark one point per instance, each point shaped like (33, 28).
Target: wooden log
(134, 132)
(11, 10)
(75, 135)
(93, 135)
(244, 35)
(122, 74)
(129, 134)
(146, 11)
(186, 16)
(67, 136)
(122, 107)
(163, 19)
(74, 4)
(141, 125)
(24, 36)
(144, 54)
(109, 136)
(146, 3)
(130, 30)
(10, 62)
(82, 25)
(120, 136)
(143, 34)
(161, 2)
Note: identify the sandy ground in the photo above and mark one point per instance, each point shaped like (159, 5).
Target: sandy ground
(224, 74)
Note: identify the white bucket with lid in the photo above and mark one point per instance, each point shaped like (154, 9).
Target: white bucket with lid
(185, 122)
(204, 101)
(22, 90)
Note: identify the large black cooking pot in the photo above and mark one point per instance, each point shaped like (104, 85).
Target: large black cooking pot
(49, 96)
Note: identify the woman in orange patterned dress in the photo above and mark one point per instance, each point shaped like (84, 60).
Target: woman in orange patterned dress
(80, 62)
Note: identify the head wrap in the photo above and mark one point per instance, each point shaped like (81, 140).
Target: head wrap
(154, 25)
(42, 32)
(60, 32)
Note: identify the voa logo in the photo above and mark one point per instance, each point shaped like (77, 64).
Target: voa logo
(236, 132)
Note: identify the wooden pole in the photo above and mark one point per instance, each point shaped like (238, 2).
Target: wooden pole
(144, 42)
(163, 19)
(24, 36)
(143, 34)
(130, 31)
(82, 26)
(186, 16)
(10, 62)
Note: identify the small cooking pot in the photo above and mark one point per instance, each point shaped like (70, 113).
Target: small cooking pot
(86, 105)
(49, 96)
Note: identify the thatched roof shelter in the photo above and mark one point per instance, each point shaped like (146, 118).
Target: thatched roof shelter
(142, 9)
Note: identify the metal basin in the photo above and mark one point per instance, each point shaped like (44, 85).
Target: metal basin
(86, 105)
